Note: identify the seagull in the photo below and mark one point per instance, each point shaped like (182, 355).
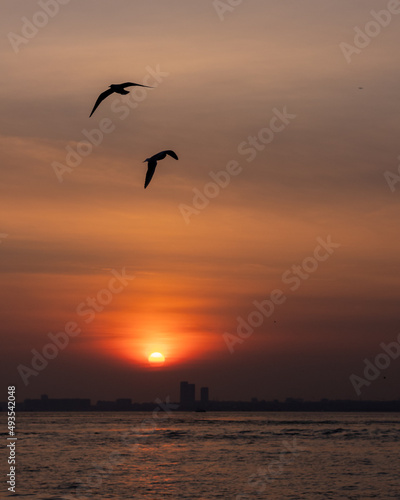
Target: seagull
(118, 88)
(152, 163)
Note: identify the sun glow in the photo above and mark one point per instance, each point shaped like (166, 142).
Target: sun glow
(156, 358)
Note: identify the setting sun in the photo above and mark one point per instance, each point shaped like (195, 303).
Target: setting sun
(156, 358)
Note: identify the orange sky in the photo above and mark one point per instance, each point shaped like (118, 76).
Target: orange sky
(219, 84)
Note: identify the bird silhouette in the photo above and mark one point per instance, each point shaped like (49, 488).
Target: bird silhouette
(118, 88)
(152, 163)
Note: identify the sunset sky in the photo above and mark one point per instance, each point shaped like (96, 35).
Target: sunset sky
(224, 81)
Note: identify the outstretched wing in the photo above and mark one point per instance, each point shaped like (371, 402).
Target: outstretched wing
(100, 99)
(171, 153)
(130, 84)
(151, 168)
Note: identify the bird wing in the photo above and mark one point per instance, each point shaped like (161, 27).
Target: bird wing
(151, 168)
(171, 153)
(131, 84)
(101, 98)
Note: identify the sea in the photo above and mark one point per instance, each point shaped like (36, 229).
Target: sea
(211, 455)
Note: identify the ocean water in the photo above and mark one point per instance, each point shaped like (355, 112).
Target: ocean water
(239, 456)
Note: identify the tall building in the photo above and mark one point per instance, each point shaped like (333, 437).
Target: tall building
(183, 392)
(187, 394)
(204, 395)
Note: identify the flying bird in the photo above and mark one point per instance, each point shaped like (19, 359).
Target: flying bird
(118, 88)
(152, 163)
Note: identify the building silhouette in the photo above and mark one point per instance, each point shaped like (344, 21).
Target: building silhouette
(204, 399)
(187, 395)
(204, 395)
(123, 404)
(47, 404)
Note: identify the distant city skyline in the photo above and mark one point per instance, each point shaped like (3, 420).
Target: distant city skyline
(47, 404)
